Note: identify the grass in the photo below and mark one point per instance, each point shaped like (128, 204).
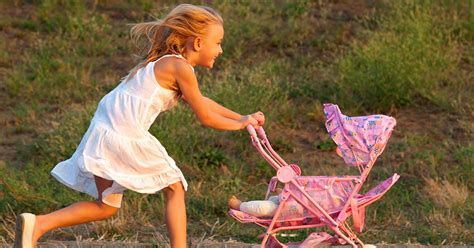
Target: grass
(410, 59)
(414, 54)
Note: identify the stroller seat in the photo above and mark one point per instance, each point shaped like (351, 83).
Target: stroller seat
(333, 209)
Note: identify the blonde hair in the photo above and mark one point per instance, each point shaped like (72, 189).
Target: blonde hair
(169, 35)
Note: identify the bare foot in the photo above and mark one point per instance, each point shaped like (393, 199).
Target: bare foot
(234, 203)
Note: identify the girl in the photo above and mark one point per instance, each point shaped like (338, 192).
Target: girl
(117, 152)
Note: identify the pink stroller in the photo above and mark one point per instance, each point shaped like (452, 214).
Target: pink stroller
(325, 201)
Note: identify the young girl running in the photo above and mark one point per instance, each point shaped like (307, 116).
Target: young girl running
(117, 152)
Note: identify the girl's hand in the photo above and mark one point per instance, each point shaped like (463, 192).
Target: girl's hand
(259, 117)
(249, 120)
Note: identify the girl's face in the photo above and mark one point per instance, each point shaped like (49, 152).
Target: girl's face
(211, 45)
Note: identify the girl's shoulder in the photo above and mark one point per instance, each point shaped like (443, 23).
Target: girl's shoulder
(173, 61)
(169, 68)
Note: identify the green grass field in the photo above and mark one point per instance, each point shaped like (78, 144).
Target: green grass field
(413, 60)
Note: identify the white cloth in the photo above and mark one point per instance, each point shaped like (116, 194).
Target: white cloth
(261, 208)
(117, 145)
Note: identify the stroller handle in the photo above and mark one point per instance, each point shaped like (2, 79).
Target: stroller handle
(260, 141)
(253, 132)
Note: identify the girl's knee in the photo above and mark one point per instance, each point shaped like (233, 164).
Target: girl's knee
(106, 210)
(174, 189)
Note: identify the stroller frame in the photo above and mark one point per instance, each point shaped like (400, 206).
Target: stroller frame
(290, 176)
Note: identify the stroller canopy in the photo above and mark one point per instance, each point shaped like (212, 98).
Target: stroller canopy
(361, 139)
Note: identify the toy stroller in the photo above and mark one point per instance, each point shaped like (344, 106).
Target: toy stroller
(325, 200)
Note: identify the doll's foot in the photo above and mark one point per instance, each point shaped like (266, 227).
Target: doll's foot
(338, 152)
(234, 203)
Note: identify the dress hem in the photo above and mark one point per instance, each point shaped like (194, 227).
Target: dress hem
(87, 185)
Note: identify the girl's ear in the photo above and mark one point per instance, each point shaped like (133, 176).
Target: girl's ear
(197, 44)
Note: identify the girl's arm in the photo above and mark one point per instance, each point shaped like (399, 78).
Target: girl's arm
(216, 107)
(188, 86)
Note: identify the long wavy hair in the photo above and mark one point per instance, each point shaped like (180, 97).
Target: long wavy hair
(169, 35)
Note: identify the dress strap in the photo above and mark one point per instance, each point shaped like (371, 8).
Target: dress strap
(177, 56)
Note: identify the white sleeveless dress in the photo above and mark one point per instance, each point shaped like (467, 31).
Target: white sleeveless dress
(117, 145)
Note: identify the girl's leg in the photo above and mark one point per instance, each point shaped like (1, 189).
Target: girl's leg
(176, 214)
(77, 213)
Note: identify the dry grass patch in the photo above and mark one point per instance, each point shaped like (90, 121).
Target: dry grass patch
(445, 194)
(444, 218)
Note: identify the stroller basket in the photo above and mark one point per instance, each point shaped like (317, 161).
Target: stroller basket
(319, 201)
